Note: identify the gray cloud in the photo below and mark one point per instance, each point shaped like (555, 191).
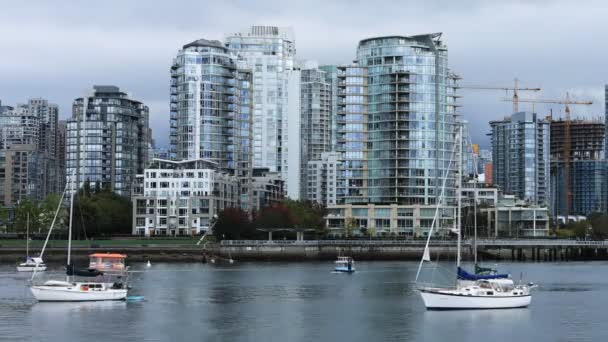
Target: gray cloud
(59, 49)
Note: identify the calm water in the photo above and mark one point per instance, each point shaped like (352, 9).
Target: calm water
(306, 302)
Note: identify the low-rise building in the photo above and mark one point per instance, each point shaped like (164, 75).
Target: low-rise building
(322, 178)
(268, 188)
(181, 197)
(512, 218)
(387, 220)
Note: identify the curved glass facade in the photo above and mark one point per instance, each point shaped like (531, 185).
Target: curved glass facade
(211, 109)
(411, 119)
(352, 134)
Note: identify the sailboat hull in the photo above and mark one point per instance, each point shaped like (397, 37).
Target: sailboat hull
(75, 294)
(444, 300)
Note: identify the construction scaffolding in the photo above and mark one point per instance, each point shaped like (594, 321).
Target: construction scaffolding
(586, 172)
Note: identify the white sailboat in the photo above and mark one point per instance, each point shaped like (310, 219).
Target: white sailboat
(69, 290)
(470, 291)
(34, 263)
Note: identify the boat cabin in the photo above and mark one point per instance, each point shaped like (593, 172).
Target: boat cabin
(107, 261)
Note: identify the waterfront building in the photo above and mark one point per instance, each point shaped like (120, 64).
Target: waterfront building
(412, 118)
(107, 140)
(269, 52)
(386, 219)
(29, 144)
(520, 156)
(587, 167)
(19, 171)
(486, 196)
(396, 125)
(352, 135)
(267, 188)
(322, 178)
(181, 197)
(210, 110)
(62, 127)
(331, 77)
(513, 218)
(315, 136)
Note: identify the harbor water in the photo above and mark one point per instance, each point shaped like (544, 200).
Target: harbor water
(306, 302)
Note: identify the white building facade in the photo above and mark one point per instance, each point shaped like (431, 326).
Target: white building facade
(322, 178)
(179, 198)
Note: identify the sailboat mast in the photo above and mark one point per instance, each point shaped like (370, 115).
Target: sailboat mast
(70, 223)
(459, 195)
(27, 236)
(475, 177)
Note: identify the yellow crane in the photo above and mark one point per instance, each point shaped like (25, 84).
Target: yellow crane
(567, 140)
(514, 89)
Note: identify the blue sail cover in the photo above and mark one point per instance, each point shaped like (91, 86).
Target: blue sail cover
(464, 275)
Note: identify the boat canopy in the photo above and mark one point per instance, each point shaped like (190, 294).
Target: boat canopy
(71, 270)
(107, 261)
(464, 275)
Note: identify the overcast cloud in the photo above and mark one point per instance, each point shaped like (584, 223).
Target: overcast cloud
(59, 49)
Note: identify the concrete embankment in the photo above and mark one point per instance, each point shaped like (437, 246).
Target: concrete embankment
(307, 252)
(134, 253)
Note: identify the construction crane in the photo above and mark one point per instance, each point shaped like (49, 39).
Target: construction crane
(514, 89)
(567, 140)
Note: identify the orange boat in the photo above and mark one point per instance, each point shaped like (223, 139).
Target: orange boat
(107, 262)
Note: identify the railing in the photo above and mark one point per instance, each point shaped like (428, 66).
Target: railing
(321, 243)
(489, 243)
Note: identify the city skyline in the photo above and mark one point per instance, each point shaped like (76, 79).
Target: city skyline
(134, 48)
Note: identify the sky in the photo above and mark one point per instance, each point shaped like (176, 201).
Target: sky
(59, 49)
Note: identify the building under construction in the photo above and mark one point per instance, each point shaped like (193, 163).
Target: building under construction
(578, 183)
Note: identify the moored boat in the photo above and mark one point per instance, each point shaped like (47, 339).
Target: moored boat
(102, 287)
(489, 290)
(31, 265)
(344, 264)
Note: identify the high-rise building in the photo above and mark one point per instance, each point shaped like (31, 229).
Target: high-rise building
(396, 125)
(520, 156)
(331, 77)
(586, 168)
(352, 134)
(315, 137)
(30, 146)
(411, 119)
(269, 52)
(107, 140)
(211, 110)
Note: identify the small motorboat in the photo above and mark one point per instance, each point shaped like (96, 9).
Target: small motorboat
(32, 264)
(345, 264)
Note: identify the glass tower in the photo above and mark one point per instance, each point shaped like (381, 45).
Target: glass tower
(107, 140)
(315, 113)
(211, 110)
(352, 134)
(520, 156)
(411, 119)
(269, 52)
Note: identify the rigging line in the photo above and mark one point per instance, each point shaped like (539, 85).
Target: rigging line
(48, 235)
(445, 178)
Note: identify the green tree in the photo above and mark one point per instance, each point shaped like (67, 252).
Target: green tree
(350, 224)
(599, 225)
(101, 213)
(233, 224)
(277, 216)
